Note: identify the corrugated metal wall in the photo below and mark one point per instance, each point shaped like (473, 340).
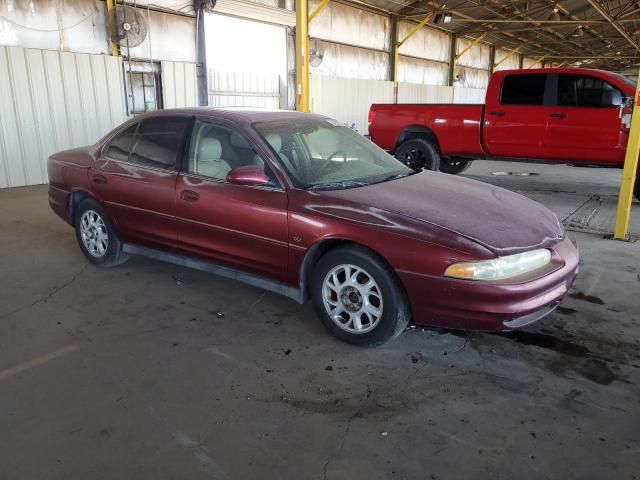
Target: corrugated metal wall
(51, 101)
(179, 85)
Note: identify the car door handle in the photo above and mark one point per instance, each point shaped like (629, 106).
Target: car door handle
(189, 196)
(99, 179)
(498, 113)
(559, 115)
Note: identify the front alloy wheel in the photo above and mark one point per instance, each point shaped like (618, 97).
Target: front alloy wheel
(358, 297)
(352, 299)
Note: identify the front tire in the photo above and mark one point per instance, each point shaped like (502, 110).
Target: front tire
(96, 236)
(454, 166)
(358, 297)
(419, 154)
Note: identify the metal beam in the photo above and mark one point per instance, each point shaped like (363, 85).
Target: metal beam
(536, 60)
(115, 48)
(471, 45)
(514, 52)
(396, 54)
(316, 11)
(614, 23)
(302, 55)
(630, 173)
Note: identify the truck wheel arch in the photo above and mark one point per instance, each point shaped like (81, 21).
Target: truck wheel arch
(417, 131)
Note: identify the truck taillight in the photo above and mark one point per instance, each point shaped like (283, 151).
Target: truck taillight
(372, 117)
(625, 114)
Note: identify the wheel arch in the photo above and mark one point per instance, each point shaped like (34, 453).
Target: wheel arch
(75, 198)
(317, 251)
(417, 131)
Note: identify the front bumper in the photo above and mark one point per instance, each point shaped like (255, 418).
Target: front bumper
(473, 305)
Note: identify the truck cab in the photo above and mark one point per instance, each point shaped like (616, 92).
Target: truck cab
(573, 115)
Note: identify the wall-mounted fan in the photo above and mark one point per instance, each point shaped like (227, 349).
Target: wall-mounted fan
(127, 26)
(316, 53)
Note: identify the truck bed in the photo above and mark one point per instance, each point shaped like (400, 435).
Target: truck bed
(457, 127)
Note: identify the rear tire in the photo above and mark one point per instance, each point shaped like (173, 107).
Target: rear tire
(454, 166)
(96, 236)
(636, 187)
(419, 154)
(358, 297)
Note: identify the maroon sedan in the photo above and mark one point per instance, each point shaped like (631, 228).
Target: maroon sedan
(297, 204)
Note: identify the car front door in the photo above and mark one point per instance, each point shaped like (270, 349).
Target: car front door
(135, 179)
(516, 119)
(585, 125)
(241, 225)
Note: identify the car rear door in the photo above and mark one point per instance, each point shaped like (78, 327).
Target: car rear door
(244, 226)
(516, 118)
(135, 179)
(585, 125)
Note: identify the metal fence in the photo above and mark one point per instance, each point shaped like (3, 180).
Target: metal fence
(243, 89)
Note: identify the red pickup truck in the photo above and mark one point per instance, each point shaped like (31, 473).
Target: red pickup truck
(556, 115)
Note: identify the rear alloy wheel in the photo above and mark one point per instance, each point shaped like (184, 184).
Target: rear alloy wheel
(358, 297)
(419, 154)
(454, 166)
(96, 235)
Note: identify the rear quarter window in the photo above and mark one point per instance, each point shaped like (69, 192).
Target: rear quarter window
(120, 146)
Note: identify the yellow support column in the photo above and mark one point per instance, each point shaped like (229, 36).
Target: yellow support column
(396, 54)
(623, 214)
(115, 48)
(302, 55)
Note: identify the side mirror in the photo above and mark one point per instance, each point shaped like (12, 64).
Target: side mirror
(248, 175)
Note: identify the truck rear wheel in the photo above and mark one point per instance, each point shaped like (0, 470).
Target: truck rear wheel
(419, 153)
(454, 166)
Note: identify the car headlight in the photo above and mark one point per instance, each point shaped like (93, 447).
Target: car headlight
(500, 268)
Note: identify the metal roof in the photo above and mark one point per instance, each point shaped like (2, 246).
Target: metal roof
(596, 33)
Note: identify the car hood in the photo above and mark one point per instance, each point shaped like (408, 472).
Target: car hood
(502, 221)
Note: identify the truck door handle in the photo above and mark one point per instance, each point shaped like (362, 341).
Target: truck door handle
(189, 196)
(498, 113)
(559, 115)
(99, 179)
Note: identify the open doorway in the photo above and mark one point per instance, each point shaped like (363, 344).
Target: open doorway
(246, 62)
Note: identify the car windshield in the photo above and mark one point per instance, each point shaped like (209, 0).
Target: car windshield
(321, 155)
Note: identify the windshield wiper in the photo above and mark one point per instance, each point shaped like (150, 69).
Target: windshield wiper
(337, 185)
(398, 175)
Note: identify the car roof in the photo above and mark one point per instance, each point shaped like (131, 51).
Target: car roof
(244, 115)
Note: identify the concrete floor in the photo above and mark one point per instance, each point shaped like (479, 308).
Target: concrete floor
(152, 371)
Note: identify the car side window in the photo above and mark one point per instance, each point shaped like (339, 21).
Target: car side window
(523, 89)
(216, 150)
(158, 142)
(120, 146)
(587, 91)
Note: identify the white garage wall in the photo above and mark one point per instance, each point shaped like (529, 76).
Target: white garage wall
(179, 85)
(507, 60)
(348, 99)
(417, 93)
(52, 101)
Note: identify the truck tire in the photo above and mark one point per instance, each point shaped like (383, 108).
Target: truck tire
(419, 154)
(454, 166)
(636, 187)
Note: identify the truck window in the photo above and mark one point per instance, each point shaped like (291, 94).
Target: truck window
(527, 89)
(586, 91)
